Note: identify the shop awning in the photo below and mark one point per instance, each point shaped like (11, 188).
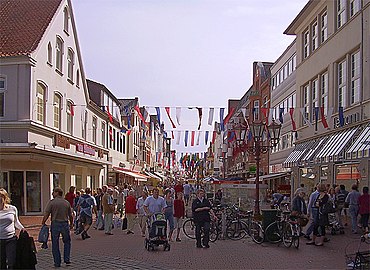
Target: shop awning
(153, 176)
(271, 176)
(332, 150)
(361, 146)
(160, 175)
(298, 152)
(138, 176)
(309, 155)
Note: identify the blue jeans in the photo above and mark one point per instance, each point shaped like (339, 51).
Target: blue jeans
(60, 228)
(353, 212)
(99, 220)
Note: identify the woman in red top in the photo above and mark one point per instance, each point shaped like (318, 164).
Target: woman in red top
(130, 210)
(179, 213)
(70, 196)
(364, 204)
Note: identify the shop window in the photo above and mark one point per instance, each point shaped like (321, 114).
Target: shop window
(33, 186)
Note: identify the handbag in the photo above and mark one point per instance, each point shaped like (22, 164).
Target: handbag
(328, 208)
(124, 223)
(44, 236)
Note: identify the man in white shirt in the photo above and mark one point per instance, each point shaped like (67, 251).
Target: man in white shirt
(154, 204)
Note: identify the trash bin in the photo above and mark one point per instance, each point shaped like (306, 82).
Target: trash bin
(268, 217)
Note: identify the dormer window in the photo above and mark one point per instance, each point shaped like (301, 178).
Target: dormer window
(70, 64)
(66, 20)
(59, 55)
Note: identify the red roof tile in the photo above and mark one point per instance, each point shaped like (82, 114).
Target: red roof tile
(23, 23)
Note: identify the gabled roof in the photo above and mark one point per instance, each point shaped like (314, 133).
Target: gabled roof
(95, 90)
(23, 24)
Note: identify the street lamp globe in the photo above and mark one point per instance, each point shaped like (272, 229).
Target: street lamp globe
(257, 129)
(274, 132)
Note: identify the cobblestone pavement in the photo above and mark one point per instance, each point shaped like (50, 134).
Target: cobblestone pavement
(122, 251)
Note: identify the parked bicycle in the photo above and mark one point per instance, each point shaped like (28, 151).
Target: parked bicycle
(285, 229)
(361, 258)
(189, 229)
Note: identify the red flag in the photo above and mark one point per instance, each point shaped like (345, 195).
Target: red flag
(137, 109)
(169, 116)
(128, 132)
(228, 116)
(323, 119)
(192, 137)
(111, 134)
(173, 136)
(200, 113)
(214, 136)
(109, 115)
(291, 112)
(265, 112)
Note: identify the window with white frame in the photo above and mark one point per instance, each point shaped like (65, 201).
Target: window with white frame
(324, 92)
(57, 104)
(84, 124)
(103, 134)
(70, 63)
(66, 20)
(314, 98)
(50, 54)
(94, 129)
(256, 107)
(315, 36)
(355, 77)
(59, 54)
(341, 13)
(2, 96)
(40, 102)
(342, 84)
(70, 115)
(354, 7)
(324, 27)
(306, 102)
(306, 44)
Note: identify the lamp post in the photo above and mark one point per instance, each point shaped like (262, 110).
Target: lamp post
(261, 144)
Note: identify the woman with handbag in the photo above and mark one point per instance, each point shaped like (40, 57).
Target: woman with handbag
(321, 220)
(8, 223)
(299, 209)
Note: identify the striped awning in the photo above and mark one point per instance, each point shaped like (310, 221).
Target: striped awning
(361, 146)
(313, 149)
(333, 149)
(298, 152)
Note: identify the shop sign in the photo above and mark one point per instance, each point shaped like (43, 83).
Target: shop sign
(62, 141)
(84, 148)
(284, 190)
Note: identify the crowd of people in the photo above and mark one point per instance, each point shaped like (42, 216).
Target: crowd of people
(344, 204)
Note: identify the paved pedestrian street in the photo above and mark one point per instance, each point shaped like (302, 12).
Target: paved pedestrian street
(122, 251)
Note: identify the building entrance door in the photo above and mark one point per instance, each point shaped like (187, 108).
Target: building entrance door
(16, 190)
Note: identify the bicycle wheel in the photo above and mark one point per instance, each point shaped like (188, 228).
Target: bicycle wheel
(236, 230)
(296, 236)
(189, 228)
(272, 233)
(213, 233)
(288, 234)
(256, 232)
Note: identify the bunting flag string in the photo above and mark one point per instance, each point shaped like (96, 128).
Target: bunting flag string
(214, 137)
(316, 113)
(186, 138)
(198, 138)
(158, 114)
(137, 109)
(109, 115)
(291, 112)
(178, 137)
(192, 137)
(169, 116)
(206, 137)
(222, 126)
(323, 119)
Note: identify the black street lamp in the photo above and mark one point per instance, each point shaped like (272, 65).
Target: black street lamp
(261, 145)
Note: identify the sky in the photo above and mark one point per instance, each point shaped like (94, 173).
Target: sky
(181, 53)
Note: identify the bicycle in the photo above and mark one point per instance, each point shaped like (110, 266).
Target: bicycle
(189, 230)
(244, 225)
(285, 229)
(360, 259)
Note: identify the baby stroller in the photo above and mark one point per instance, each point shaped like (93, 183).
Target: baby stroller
(157, 228)
(334, 224)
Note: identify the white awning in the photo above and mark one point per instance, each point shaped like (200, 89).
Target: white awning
(361, 146)
(160, 175)
(138, 176)
(333, 149)
(298, 152)
(153, 176)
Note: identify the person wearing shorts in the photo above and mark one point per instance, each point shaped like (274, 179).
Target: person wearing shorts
(86, 204)
(179, 214)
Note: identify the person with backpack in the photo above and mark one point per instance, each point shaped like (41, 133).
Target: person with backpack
(86, 204)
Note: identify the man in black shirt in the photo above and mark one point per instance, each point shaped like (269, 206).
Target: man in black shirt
(201, 208)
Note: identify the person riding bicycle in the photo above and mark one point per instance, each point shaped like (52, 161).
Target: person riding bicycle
(202, 209)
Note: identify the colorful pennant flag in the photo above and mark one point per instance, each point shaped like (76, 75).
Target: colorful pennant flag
(200, 113)
(281, 115)
(109, 115)
(214, 136)
(169, 116)
(323, 119)
(341, 116)
(222, 126)
(192, 137)
(316, 111)
(198, 138)
(210, 116)
(137, 109)
(291, 112)
(206, 137)
(229, 115)
(158, 115)
(186, 138)
(178, 137)
(178, 115)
